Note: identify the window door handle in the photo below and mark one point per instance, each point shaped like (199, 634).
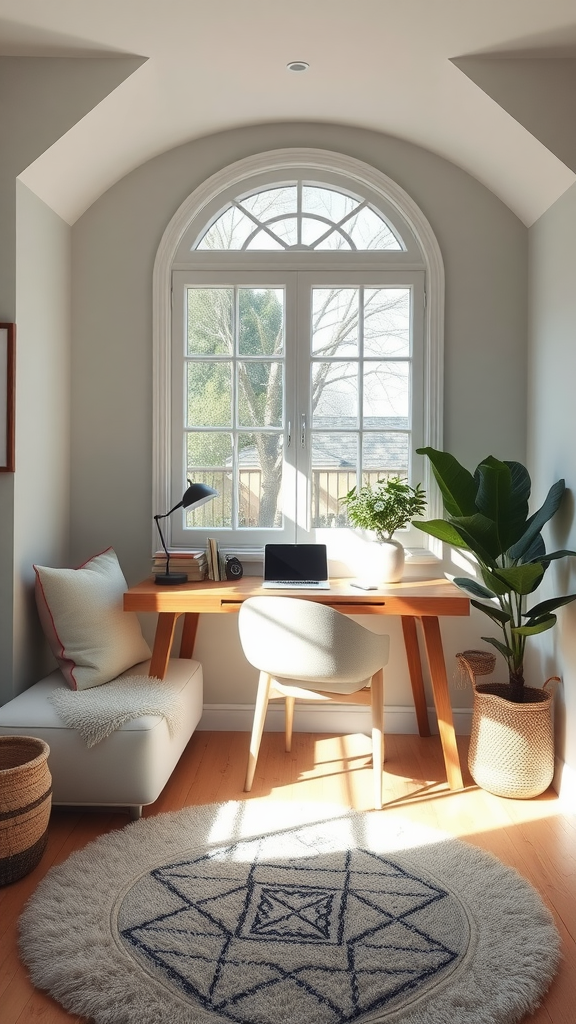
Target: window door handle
(289, 434)
(303, 430)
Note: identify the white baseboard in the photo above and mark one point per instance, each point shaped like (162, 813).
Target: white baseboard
(347, 718)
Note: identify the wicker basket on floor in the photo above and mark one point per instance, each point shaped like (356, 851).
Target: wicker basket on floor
(25, 803)
(511, 749)
(512, 745)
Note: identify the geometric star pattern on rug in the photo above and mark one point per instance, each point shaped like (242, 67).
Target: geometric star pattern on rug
(339, 936)
(171, 920)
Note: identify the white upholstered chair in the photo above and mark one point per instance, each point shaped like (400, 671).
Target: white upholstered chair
(308, 651)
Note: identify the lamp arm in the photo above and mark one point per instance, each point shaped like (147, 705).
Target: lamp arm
(156, 518)
(164, 516)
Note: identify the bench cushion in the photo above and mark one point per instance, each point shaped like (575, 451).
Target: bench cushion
(130, 767)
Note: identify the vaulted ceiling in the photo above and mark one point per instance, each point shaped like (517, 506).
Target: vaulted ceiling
(487, 84)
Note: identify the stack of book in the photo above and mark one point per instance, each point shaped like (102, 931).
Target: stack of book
(216, 569)
(193, 563)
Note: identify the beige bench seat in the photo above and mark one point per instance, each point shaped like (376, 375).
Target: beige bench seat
(127, 769)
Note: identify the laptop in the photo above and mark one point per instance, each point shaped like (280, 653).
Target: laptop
(295, 567)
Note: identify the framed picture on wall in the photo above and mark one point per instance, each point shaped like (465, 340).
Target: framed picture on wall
(7, 396)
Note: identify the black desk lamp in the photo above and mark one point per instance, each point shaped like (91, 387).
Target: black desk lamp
(196, 495)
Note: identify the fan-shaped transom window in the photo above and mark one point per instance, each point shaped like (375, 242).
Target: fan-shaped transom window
(300, 216)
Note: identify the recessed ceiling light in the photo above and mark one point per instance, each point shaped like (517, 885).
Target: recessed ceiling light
(297, 65)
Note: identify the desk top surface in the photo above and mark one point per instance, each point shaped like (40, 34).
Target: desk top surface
(412, 597)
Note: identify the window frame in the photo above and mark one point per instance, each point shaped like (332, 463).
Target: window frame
(174, 253)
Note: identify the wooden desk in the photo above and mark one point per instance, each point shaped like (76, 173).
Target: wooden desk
(423, 600)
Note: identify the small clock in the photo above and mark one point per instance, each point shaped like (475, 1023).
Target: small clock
(233, 568)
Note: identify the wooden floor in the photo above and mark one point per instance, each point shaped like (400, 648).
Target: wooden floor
(537, 837)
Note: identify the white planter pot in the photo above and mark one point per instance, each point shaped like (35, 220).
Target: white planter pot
(382, 561)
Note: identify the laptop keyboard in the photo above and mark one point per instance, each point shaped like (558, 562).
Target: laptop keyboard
(296, 585)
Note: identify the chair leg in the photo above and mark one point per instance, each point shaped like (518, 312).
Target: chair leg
(289, 721)
(262, 696)
(377, 704)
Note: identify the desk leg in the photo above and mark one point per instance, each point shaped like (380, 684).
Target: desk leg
(415, 670)
(189, 634)
(162, 643)
(442, 700)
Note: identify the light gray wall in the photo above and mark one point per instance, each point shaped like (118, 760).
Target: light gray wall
(114, 245)
(551, 433)
(42, 484)
(40, 99)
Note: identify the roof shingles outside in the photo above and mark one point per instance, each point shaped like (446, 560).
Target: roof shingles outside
(383, 447)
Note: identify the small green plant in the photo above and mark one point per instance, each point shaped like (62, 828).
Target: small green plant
(387, 506)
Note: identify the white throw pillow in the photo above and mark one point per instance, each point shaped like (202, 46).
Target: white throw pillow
(81, 613)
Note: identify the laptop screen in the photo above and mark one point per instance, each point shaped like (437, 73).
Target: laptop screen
(285, 562)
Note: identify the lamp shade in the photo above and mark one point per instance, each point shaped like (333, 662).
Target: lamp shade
(196, 495)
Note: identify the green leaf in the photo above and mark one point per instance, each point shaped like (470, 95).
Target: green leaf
(538, 626)
(497, 586)
(539, 519)
(521, 483)
(549, 556)
(493, 612)
(473, 587)
(455, 482)
(549, 606)
(504, 651)
(503, 499)
(480, 535)
(522, 579)
(442, 530)
(535, 553)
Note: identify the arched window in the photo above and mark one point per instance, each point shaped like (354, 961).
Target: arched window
(299, 216)
(300, 351)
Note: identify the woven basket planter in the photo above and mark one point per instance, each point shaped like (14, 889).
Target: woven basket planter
(511, 745)
(25, 803)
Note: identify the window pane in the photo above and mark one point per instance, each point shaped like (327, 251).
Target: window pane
(230, 231)
(209, 461)
(386, 393)
(273, 202)
(334, 241)
(327, 202)
(368, 231)
(286, 229)
(209, 394)
(313, 229)
(210, 321)
(335, 321)
(259, 480)
(260, 393)
(334, 473)
(264, 240)
(261, 321)
(335, 394)
(387, 322)
(384, 454)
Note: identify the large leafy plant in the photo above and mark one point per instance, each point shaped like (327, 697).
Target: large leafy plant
(387, 506)
(486, 513)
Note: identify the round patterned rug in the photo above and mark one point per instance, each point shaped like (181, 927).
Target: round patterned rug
(327, 917)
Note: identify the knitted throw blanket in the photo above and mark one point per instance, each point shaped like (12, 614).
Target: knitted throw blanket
(99, 711)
